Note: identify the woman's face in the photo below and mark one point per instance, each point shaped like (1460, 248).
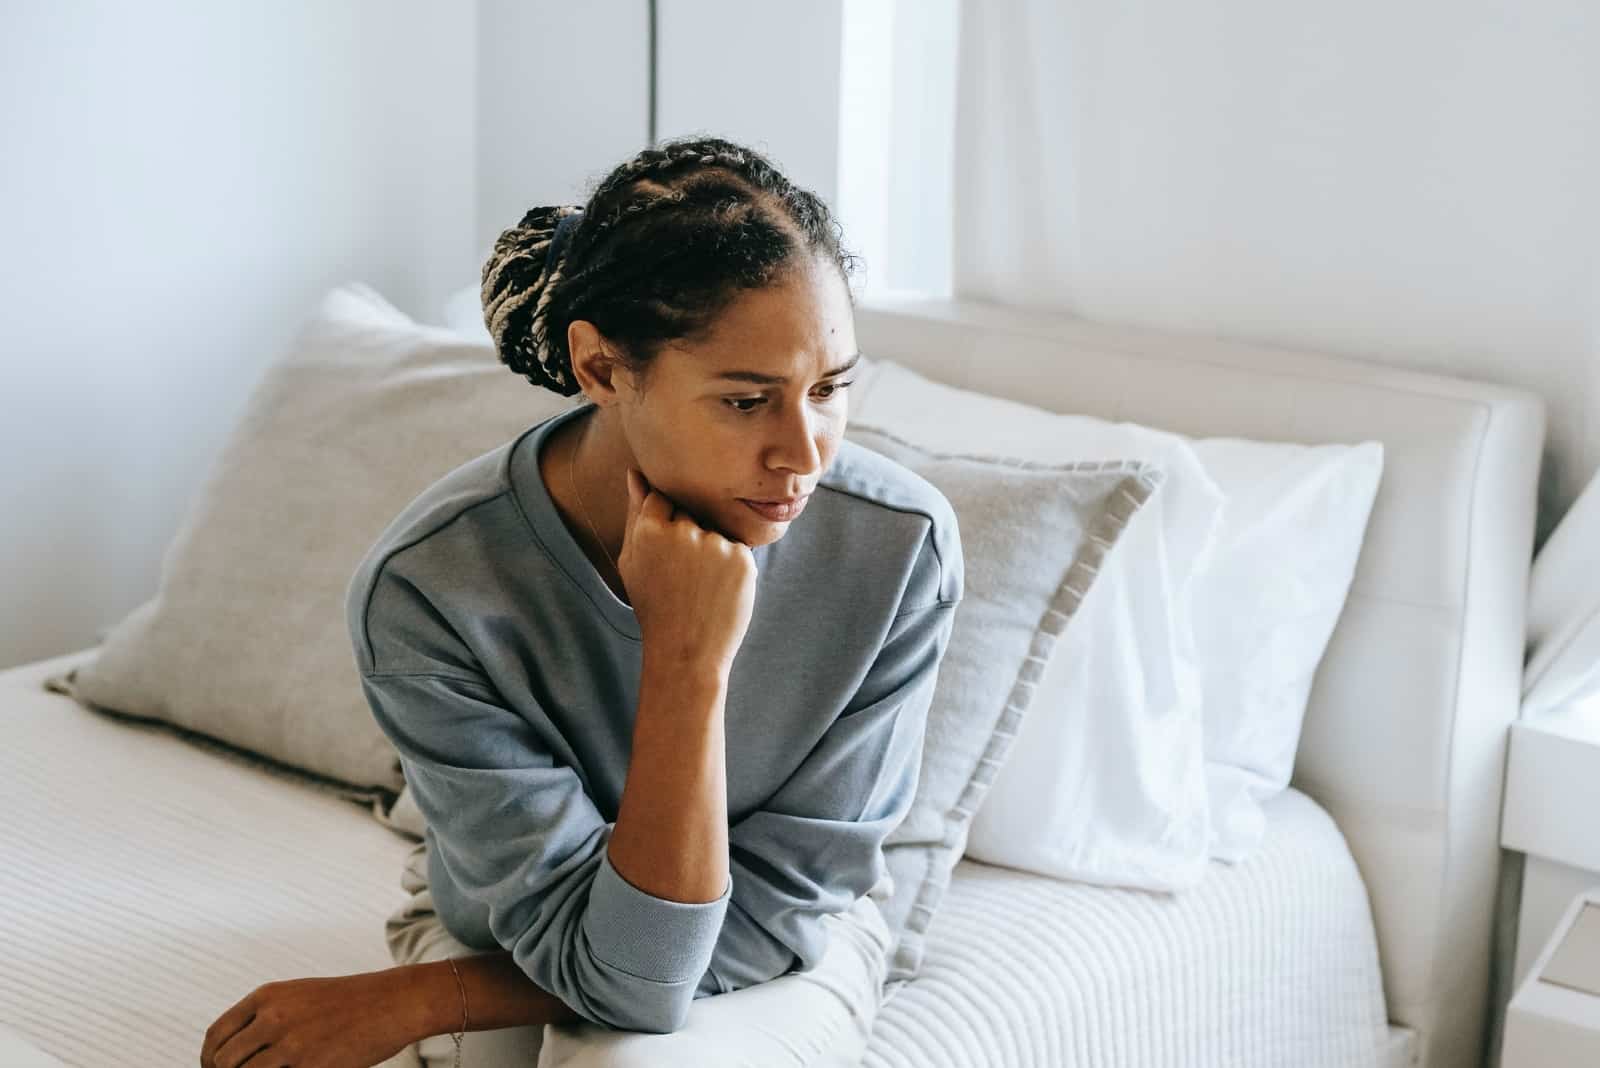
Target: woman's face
(753, 411)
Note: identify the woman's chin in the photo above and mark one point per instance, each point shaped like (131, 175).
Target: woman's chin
(774, 532)
(754, 531)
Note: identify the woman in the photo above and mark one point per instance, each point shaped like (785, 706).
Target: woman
(657, 670)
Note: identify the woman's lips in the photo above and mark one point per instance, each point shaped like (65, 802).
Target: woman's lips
(777, 513)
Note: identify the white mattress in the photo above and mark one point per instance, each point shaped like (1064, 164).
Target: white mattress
(1270, 962)
(150, 884)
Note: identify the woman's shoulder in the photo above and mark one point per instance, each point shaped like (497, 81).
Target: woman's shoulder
(434, 545)
(875, 479)
(478, 481)
(874, 497)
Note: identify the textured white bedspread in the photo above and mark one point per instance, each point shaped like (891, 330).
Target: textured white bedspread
(149, 884)
(1270, 962)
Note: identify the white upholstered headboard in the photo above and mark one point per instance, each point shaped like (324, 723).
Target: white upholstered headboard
(1404, 738)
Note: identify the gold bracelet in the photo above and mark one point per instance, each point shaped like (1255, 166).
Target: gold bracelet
(459, 1035)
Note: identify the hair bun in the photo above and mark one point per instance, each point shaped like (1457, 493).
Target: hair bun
(517, 281)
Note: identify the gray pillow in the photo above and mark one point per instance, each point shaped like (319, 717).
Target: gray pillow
(1033, 536)
(244, 647)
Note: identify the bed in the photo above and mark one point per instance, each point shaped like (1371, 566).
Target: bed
(152, 882)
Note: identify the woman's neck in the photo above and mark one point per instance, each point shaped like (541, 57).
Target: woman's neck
(585, 479)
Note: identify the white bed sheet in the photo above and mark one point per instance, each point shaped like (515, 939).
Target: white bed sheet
(151, 884)
(1270, 962)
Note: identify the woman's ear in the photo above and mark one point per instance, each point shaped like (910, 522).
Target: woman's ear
(597, 370)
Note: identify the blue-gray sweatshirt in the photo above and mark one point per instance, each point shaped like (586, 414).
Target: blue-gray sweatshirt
(506, 674)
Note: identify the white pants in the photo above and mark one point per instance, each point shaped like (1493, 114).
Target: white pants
(814, 1019)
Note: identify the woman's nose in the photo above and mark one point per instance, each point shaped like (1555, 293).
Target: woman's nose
(796, 450)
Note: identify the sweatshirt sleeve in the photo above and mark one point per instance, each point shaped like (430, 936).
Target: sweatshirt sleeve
(521, 840)
(816, 845)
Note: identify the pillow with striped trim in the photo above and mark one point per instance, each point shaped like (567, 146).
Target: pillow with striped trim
(1033, 538)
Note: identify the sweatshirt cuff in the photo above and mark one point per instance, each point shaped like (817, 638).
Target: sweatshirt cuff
(647, 936)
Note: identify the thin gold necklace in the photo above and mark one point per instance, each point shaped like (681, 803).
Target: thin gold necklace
(572, 476)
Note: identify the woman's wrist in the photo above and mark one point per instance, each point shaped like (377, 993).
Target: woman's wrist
(497, 994)
(667, 664)
(429, 1002)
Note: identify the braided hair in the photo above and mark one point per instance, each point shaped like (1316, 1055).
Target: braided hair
(666, 241)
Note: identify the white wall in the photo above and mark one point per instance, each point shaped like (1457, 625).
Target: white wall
(181, 182)
(1413, 183)
(761, 72)
(563, 95)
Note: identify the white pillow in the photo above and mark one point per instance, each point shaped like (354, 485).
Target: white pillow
(1563, 667)
(1293, 522)
(1262, 600)
(463, 313)
(1106, 782)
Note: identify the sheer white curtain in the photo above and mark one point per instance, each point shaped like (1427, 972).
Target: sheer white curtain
(1410, 185)
(1016, 196)
(896, 128)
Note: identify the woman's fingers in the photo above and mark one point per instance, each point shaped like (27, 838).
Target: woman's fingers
(636, 493)
(652, 501)
(224, 1028)
(243, 1046)
(658, 506)
(644, 501)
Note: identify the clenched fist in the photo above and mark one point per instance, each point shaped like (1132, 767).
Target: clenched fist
(691, 588)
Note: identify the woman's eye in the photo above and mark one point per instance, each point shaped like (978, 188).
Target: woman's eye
(738, 403)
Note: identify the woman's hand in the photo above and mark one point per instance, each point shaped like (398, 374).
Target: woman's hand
(348, 1021)
(691, 588)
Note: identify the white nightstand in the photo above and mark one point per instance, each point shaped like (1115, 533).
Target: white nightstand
(1552, 779)
(1554, 1018)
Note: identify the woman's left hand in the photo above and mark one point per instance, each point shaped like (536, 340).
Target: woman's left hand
(347, 1021)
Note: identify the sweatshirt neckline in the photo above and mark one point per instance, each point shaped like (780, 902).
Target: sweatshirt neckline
(539, 508)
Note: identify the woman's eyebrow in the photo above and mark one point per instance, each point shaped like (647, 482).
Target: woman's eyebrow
(754, 376)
